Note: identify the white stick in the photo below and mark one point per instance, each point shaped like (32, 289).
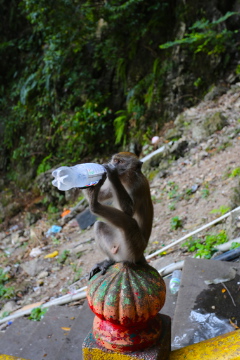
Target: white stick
(60, 301)
(192, 233)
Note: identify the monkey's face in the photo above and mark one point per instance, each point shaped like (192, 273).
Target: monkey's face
(125, 161)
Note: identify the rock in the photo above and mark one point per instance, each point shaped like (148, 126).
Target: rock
(31, 218)
(214, 123)
(2, 235)
(179, 147)
(42, 274)
(34, 267)
(9, 307)
(10, 210)
(215, 92)
(154, 159)
(173, 133)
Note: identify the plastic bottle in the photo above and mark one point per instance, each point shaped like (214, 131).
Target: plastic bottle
(175, 281)
(82, 175)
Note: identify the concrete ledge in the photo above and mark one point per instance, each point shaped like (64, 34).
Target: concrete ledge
(93, 351)
(223, 347)
(8, 357)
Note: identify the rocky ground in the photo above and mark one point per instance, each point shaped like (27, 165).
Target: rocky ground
(194, 180)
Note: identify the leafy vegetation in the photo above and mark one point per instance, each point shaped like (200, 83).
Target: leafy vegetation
(176, 223)
(221, 210)
(205, 248)
(37, 314)
(5, 291)
(70, 79)
(205, 37)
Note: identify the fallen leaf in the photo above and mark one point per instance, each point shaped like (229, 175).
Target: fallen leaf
(52, 255)
(234, 325)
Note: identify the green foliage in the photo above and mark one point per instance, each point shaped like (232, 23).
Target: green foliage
(5, 291)
(221, 210)
(176, 223)
(205, 192)
(37, 314)
(63, 257)
(44, 165)
(172, 206)
(205, 248)
(5, 314)
(69, 78)
(172, 190)
(206, 37)
(235, 172)
(234, 245)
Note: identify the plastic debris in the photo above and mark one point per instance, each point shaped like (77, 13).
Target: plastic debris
(155, 139)
(230, 276)
(35, 252)
(175, 281)
(204, 326)
(66, 328)
(52, 255)
(229, 255)
(65, 212)
(54, 229)
(13, 228)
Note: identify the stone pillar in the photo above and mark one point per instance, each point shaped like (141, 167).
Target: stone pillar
(126, 302)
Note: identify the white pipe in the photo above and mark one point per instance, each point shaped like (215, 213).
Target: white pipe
(59, 301)
(192, 233)
(171, 267)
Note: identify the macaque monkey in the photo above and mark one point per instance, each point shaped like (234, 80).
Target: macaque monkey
(125, 234)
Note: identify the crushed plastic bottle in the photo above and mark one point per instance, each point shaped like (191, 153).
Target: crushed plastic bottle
(82, 175)
(175, 281)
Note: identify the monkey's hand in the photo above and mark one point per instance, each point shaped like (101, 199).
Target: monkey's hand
(101, 267)
(112, 171)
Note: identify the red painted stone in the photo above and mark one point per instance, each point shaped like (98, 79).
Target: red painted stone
(127, 294)
(127, 339)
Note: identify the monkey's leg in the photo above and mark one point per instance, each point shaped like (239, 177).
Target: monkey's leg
(104, 236)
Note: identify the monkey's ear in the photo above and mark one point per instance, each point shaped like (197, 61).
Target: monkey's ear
(139, 165)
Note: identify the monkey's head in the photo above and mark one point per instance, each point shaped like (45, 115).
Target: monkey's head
(126, 161)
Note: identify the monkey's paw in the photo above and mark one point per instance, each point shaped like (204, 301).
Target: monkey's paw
(111, 170)
(101, 267)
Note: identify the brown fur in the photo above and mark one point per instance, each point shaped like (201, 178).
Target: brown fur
(128, 223)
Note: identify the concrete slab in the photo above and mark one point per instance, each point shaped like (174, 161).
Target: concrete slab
(49, 335)
(197, 298)
(14, 338)
(72, 347)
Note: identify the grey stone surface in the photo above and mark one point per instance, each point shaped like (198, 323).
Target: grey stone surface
(16, 336)
(194, 290)
(48, 336)
(72, 347)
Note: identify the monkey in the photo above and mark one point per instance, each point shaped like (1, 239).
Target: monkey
(125, 234)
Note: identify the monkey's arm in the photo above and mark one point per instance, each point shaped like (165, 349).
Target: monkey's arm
(123, 198)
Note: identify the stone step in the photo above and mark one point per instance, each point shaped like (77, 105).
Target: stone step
(16, 336)
(196, 297)
(48, 336)
(72, 346)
